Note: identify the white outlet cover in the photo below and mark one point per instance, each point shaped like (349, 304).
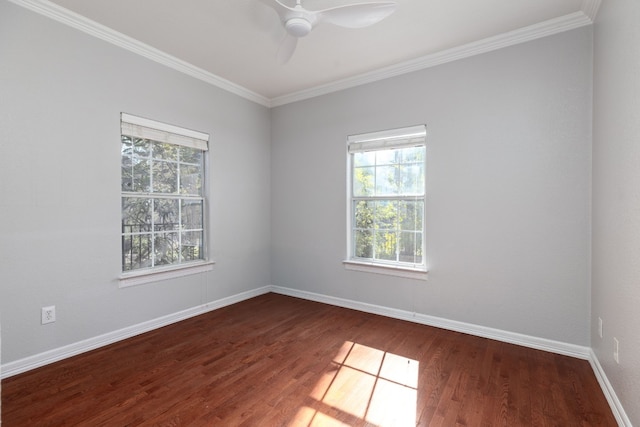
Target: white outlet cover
(600, 327)
(48, 314)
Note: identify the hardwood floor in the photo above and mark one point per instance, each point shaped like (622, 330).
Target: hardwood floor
(280, 361)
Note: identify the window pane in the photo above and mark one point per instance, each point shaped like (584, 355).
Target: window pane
(127, 146)
(141, 147)
(127, 174)
(410, 215)
(165, 177)
(388, 157)
(191, 214)
(411, 247)
(413, 155)
(136, 215)
(141, 176)
(363, 244)
(192, 246)
(386, 245)
(364, 212)
(412, 178)
(190, 180)
(387, 181)
(165, 151)
(190, 155)
(386, 215)
(364, 159)
(166, 249)
(165, 215)
(136, 252)
(363, 181)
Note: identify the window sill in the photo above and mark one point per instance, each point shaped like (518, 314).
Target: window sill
(147, 276)
(391, 270)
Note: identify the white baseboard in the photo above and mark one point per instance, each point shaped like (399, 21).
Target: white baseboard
(47, 357)
(609, 392)
(41, 359)
(580, 352)
(586, 353)
(452, 325)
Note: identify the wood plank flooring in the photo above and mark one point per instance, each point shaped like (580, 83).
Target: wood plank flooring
(280, 361)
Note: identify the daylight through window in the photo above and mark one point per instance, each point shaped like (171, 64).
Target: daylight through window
(387, 197)
(163, 194)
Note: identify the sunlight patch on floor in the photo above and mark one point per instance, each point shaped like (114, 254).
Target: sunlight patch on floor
(363, 384)
(310, 417)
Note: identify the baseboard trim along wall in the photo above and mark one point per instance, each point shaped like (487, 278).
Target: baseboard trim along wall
(42, 359)
(572, 350)
(609, 392)
(580, 352)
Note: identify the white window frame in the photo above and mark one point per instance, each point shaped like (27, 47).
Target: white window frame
(143, 128)
(376, 141)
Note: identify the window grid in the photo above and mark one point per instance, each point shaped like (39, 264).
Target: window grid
(417, 234)
(171, 233)
(387, 193)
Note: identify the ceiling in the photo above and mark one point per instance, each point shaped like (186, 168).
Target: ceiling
(233, 43)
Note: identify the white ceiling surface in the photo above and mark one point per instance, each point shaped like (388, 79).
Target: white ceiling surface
(237, 40)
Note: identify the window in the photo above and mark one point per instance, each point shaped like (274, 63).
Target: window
(387, 199)
(163, 196)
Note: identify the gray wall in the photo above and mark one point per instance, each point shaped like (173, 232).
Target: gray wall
(616, 197)
(61, 96)
(509, 188)
(508, 171)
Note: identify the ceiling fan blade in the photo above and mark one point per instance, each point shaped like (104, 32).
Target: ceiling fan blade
(281, 9)
(358, 15)
(288, 46)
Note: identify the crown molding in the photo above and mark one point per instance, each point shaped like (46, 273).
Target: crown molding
(522, 35)
(584, 17)
(590, 8)
(79, 22)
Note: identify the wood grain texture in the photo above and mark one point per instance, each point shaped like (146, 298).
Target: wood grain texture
(275, 360)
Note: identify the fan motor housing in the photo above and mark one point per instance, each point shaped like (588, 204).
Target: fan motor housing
(298, 27)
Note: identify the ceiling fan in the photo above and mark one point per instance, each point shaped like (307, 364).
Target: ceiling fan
(298, 21)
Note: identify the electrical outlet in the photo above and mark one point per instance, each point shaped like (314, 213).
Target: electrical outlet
(616, 350)
(48, 314)
(600, 327)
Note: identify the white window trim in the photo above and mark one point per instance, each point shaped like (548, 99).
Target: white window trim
(389, 270)
(140, 127)
(163, 132)
(393, 138)
(140, 277)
